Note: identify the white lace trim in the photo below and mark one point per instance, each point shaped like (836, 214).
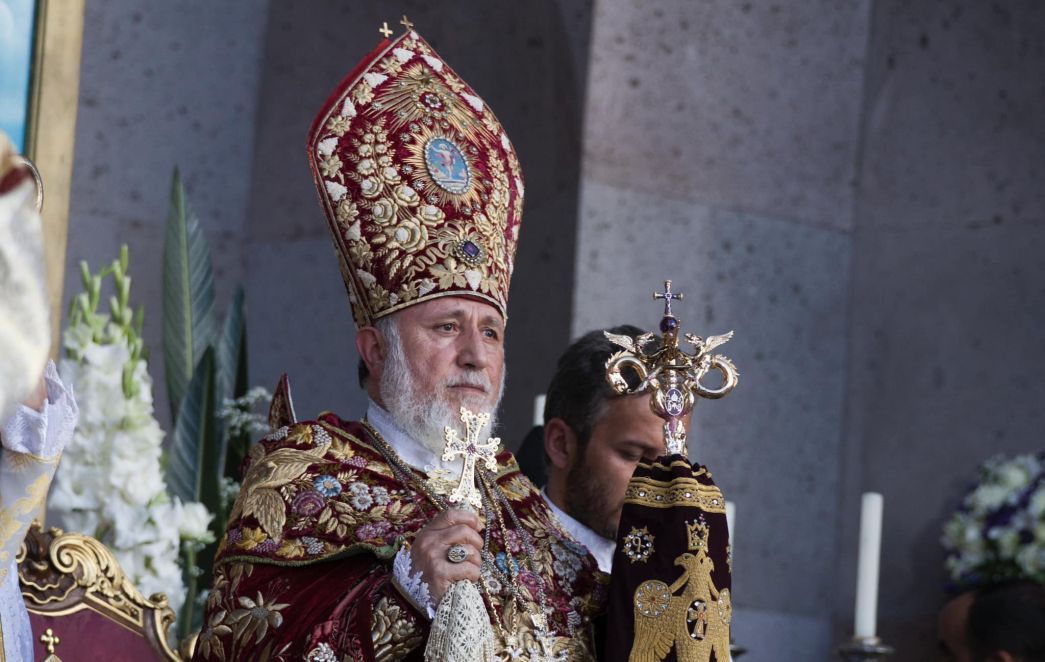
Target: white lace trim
(461, 630)
(44, 433)
(410, 583)
(14, 619)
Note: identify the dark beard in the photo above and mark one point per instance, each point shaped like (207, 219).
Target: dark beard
(587, 503)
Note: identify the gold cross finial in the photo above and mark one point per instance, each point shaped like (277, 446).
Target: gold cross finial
(384, 30)
(50, 640)
(667, 295)
(406, 23)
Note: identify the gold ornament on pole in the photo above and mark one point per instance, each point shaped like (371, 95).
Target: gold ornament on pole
(672, 376)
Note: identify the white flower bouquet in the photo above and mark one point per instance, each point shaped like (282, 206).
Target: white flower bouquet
(110, 483)
(160, 513)
(998, 532)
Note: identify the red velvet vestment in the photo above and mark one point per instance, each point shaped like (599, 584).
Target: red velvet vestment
(304, 570)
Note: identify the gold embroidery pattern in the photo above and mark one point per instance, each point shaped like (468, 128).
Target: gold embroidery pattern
(638, 545)
(696, 622)
(421, 186)
(677, 492)
(260, 495)
(393, 632)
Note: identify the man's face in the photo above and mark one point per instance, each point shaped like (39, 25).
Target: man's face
(450, 355)
(626, 433)
(952, 628)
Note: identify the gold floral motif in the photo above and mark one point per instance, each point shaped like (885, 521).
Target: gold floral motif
(337, 125)
(362, 94)
(268, 471)
(394, 632)
(391, 66)
(331, 167)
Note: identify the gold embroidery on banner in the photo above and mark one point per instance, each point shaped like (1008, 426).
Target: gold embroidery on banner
(677, 492)
(393, 632)
(638, 544)
(694, 623)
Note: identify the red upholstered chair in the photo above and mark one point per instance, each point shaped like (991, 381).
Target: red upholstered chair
(74, 587)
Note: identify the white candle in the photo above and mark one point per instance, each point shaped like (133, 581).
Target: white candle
(538, 409)
(867, 566)
(731, 518)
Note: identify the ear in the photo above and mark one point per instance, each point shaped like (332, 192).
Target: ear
(1001, 656)
(371, 347)
(560, 444)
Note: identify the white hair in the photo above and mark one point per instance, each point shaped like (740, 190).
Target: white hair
(424, 415)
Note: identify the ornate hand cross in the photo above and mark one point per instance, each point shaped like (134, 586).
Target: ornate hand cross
(471, 450)
(668, 296)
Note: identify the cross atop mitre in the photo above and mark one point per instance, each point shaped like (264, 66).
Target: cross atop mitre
(471, 450)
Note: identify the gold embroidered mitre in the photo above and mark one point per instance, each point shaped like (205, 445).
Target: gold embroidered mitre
(421, 187)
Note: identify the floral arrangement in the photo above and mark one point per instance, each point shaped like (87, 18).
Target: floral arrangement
(110, 483)
(998, 532)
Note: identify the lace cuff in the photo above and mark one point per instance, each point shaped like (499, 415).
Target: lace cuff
(410, 584)
(44, 433)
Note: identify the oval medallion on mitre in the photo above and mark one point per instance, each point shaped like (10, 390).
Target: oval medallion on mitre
(447, 166)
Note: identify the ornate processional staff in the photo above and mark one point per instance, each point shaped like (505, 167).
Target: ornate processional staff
(669, 594)
(668, 373)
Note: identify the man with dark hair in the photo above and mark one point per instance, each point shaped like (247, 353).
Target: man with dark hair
(593, 440)
(997, 623)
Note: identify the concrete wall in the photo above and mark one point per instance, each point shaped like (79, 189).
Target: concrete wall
(528, 60)
(161, 86)
(948, 289)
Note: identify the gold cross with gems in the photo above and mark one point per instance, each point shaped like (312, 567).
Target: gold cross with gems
(384, 30)
(471, 450)
(668, 296)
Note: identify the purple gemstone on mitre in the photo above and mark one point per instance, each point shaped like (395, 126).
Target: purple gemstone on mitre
(669, 324)
(470, 249)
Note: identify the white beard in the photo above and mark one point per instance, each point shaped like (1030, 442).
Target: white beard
(424, 416)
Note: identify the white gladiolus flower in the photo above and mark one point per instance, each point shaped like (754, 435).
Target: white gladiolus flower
(110, 483)
(193, 522)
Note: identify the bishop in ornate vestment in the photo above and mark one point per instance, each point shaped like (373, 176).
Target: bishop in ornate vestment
(347, 538)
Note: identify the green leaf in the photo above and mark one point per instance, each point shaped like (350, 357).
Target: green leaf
(194, 458)
(188, 295)
(232, 351)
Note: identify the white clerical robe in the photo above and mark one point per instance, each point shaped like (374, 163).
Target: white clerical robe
(25, 333)
(32, 443)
